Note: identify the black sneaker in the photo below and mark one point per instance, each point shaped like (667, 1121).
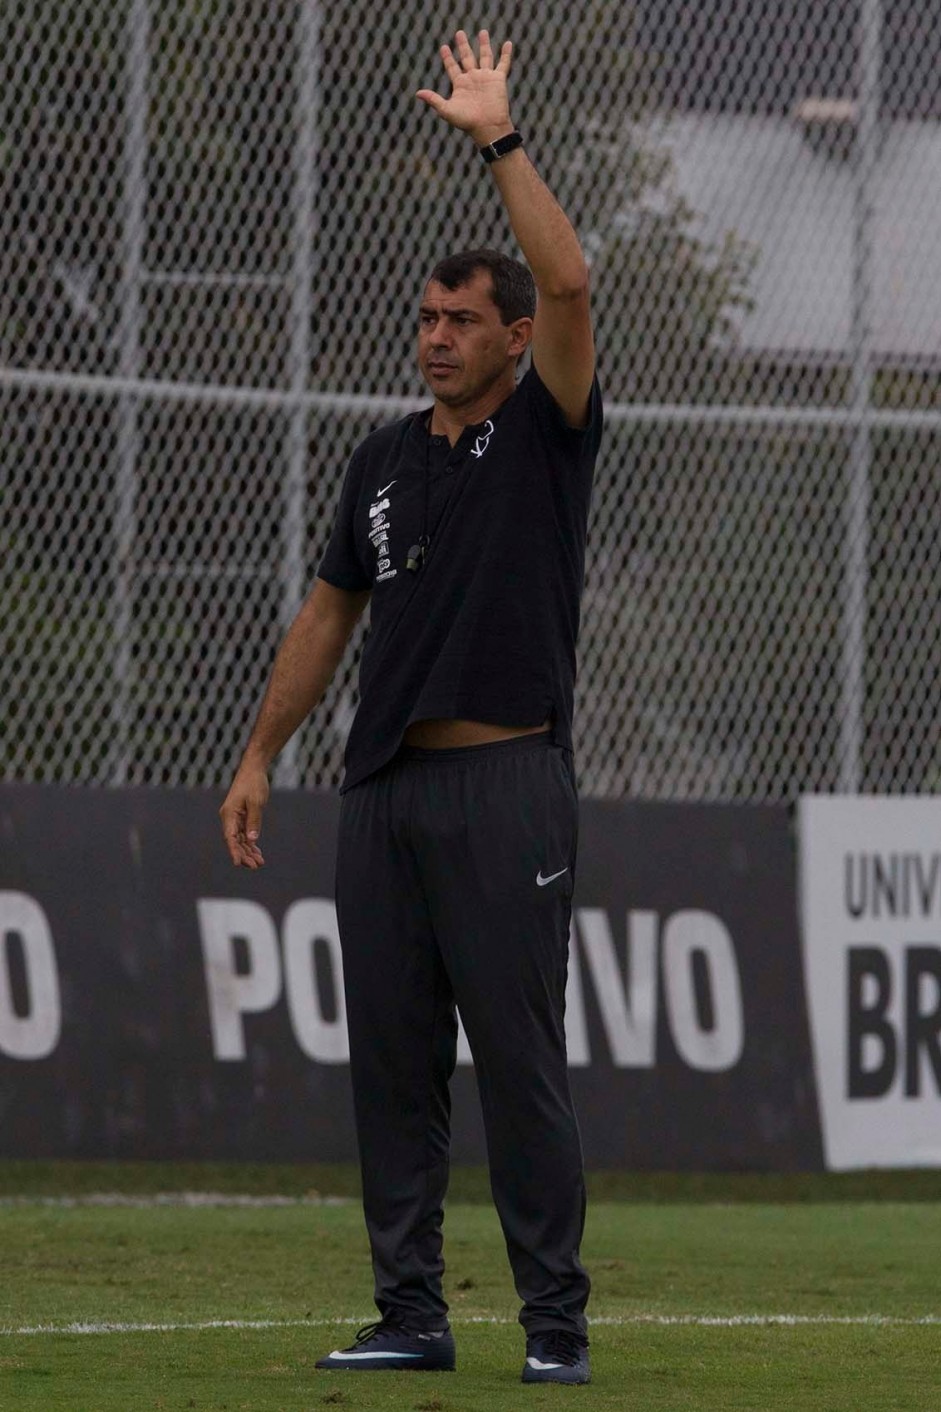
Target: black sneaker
(560, 1356)
(389, 1344)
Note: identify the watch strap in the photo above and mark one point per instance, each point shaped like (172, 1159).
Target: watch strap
(495, 150)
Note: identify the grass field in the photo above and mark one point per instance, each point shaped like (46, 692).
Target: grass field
(712, 1293)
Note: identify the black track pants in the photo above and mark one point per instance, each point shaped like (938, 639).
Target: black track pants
(454, 884)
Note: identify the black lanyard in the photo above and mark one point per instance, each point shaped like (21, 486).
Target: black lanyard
(416, 555)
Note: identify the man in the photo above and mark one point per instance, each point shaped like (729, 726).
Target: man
(466, 526)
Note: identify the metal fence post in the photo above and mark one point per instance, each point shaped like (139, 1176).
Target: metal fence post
(856, 519)
(304, 191)
(132, 256)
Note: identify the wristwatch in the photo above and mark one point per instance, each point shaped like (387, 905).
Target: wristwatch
(495, 150)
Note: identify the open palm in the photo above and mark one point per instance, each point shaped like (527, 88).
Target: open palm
(479, 103)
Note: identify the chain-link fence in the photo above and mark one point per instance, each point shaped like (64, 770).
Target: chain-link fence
(216, 220)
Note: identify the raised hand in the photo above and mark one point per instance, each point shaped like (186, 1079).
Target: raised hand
(478, 103)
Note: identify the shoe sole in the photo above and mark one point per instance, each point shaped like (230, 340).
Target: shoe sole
(378, 1367)
(529, 1376)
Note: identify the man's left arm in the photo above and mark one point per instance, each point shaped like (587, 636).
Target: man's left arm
(563, 345)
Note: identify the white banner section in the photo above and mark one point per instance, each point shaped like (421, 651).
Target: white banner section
(870, 899)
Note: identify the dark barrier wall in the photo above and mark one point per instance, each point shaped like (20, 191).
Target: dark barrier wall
(157, 1002)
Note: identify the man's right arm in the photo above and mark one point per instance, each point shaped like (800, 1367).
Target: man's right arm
(303, 669)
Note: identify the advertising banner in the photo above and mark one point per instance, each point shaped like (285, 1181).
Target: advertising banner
(870, 883)
(696, 1051)
(157, 1002)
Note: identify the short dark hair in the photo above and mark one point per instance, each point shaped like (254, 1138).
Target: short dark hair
(514, 290)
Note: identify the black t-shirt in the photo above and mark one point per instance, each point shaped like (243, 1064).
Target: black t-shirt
(485, 630)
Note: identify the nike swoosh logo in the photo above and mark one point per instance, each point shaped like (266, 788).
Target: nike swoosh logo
(384, 489)
(541, 882)
(338, 1353)
(535, 1362)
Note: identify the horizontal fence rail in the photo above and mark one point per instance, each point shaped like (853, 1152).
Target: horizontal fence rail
(389, 408)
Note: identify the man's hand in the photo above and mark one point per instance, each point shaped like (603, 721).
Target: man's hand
(478, 103)
(241, 815)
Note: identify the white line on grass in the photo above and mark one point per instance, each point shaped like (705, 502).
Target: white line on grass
(719, 1321)
(173, 1198)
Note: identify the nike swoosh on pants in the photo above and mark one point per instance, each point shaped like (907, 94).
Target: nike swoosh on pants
(541, 881)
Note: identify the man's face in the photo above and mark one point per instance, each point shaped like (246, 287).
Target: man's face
(463, 345)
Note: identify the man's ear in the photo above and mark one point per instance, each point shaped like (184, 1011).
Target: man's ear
(521, 334)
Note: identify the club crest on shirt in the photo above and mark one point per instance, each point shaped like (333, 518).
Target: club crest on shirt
(482, 442)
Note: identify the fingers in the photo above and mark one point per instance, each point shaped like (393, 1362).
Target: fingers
(461, 66)
(465, 55)
(253, 829)
(434, 100)
(464, 51)
(241, 827)
(243, 849)
(235, 841)
(251, 854)
(451, 66)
